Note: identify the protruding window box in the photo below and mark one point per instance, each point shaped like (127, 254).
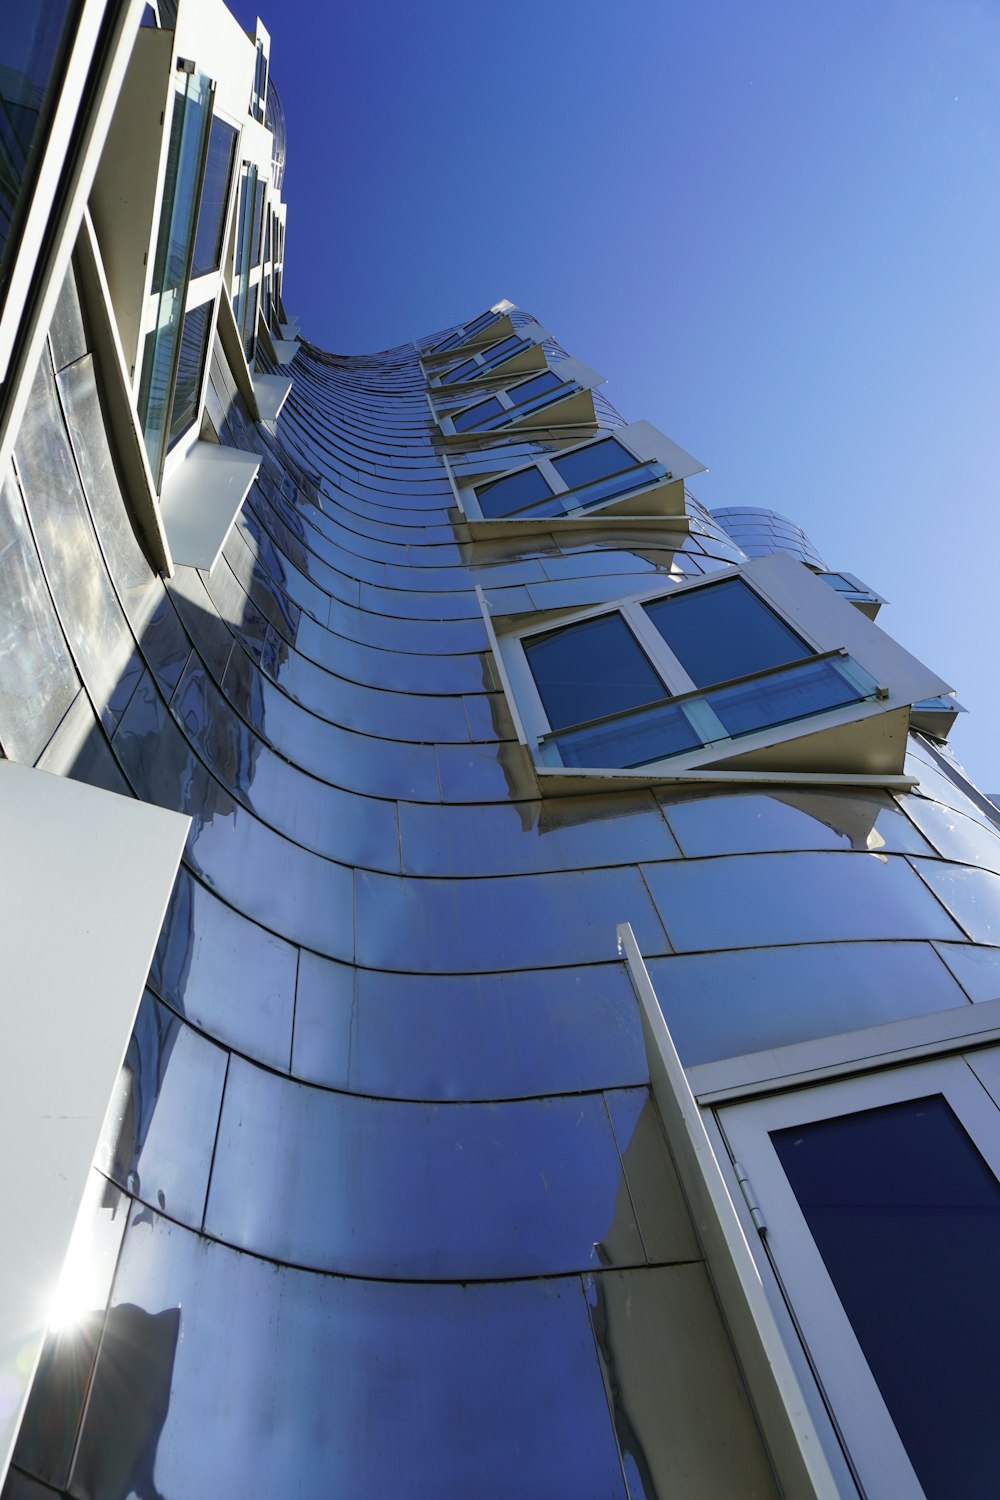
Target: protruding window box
(631, 474)
(556, 398)
(855, 592)
(758, 673)
(518, 353)
(285, 350)
(486, 329)
(935, 716)
(201, 499)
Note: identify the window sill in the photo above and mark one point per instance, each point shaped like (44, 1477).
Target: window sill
(201, 499)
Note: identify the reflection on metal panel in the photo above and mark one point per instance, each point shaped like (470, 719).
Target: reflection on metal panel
(84, 882)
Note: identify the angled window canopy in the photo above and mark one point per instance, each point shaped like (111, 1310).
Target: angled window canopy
(559, 397)
(761, 668)
(634, 471)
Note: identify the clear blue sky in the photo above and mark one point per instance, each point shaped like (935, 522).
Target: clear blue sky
(774, 226)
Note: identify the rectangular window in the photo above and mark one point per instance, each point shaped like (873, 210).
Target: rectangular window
(36, 41)
(477, 416)
(189, 129)
(591, 670)
(596, 461)
(526, 488)
(214, 199)
(882, 1203)
(190, 369)
(724, 631)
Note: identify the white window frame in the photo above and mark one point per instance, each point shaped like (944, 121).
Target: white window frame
(64, 125)
(663, 661)
(531, 354)
(643, 442)
(576, 380)
(870, 740)
(468, 341)
(799, 1286)
(199, 290)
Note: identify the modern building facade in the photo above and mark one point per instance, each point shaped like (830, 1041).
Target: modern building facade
(570, 1061)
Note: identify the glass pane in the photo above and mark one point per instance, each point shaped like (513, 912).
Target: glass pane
(214, 197)
(589, 670)
(463, 371)
(724, 631)
(35, 40)
(906, 1215)
(497, 353)
(474, 416)
(654, 734)
(186, 153)
(513, 493)
(595, 461)
(258, 222)
(610, 489)
(190, 369)
(801, 691)
(530, 388)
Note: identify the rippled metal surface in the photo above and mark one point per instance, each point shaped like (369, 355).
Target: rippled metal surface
(402, 1220)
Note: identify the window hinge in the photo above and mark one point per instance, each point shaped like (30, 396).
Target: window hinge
(746, 1188)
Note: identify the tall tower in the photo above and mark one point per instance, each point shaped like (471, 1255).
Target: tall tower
(567, 1065)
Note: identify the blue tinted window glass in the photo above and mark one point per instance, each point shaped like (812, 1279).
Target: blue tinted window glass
(521, 393)
(497, 352)
(513, 493)
(593, 462)
(461, 372)
(474, 415)
(724, 631)
(653, 733)
(588, 670)
(190, 368)
(35, 40)
(811, 688)
(214, 197)
(906, 1215)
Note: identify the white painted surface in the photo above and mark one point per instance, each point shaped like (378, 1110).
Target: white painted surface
(285, 350)
(201, 499)
(271, 392)
(85, 877)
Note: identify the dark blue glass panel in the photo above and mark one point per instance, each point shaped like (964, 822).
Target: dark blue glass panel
(474, 416)
(596, 461)
(589, 670)
(190, 368)
(796, 694)
(547, 381)
(35, 40)
(513, 493)
(724, 631)
(497, 353)
(464, 371)
(214, 197)
(906, 1215)
(610, 489)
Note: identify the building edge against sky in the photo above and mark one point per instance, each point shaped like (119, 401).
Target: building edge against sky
(568, 1064)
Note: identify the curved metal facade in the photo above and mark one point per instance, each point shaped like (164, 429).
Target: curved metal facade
(383, 1205)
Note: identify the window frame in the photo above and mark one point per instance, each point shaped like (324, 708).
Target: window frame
(645, 444)
(861, 742)
(662, 659)
(530, 353)
(813, 1320)
(576, 380)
